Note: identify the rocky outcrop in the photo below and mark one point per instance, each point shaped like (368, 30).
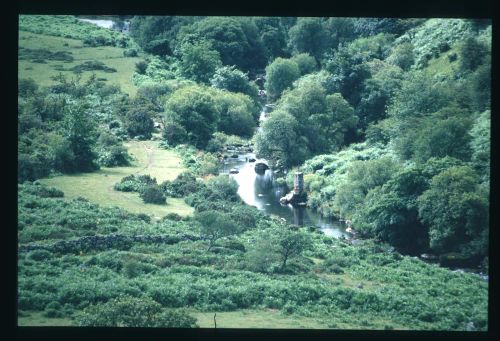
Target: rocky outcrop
(261, 166)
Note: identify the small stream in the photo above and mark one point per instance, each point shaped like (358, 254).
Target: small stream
(122, 26)
(263, 192)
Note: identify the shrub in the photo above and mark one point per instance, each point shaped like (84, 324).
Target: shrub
(127, 311)
(42, 191)
(53, 309)
(130, 53)
(39, 255)
(140, 67)
(153, 195)
(92, 65)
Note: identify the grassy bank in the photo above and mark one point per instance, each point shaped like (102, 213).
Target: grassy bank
(98, 186)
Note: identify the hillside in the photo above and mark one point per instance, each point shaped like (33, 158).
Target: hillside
(139, 204)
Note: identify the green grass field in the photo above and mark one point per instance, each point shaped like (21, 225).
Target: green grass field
(110, 56)
(98, 186)
(247, 318)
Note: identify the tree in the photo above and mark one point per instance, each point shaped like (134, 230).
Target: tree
(273, 36)
(174, 133)
(456, 211)
(324, 120)
(377, 92)
(481, 144)
(291, 244)
(390, 212)
(224, 187)
(440, 138)
(215, 225)
(231, 79)
(472, 54)
(279, 140)
(402, 56)
(305, 62)
(262, 254)
(308, 36)
(361, 178)
(139, 123)
(155, 33)
(280, 75)
(195, 109)
(236, 113)
(80, 135)
(26, 87)
(236, 40)
(199, 61)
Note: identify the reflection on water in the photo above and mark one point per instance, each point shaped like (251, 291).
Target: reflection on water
(260, 191)
(99, 22)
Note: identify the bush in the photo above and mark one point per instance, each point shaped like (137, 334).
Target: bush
(140, 67)
(135, 183)
(42, 191)
(40, 255)
(130, 53)
(153, 195)
(127, 311)
(92, 65)
(53, 309)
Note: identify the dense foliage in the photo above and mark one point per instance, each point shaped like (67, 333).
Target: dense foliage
(388, 119)
(107, 285)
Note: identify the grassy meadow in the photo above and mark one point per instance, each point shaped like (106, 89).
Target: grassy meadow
(98, 186)
(43, 72)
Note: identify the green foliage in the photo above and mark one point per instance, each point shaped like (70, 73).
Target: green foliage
(391, 212)
(231, 79)
(306, 63)
(308, 36)
(153, 33)
(324, 119)
(126, 311)
(291, 244)
(440, 138)
(429, 37)
(153, 195)
(199, 61)
(70, 27)
(196, 111)
(183, 185)
(235, 38)
(481, 144)
(135, 183)
(79, 134)
(139, 123)
(26, 87)
(280, 75)
(111, 152)
(199, 162)
(361, 178)
(92, 65)
(238, 113)
(456, 212)
(215, 225)
(42, 55)
(472, 54)
(402, 56)
(279, 139)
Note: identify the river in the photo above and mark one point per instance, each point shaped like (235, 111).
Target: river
(122, 26)
(263, 192)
